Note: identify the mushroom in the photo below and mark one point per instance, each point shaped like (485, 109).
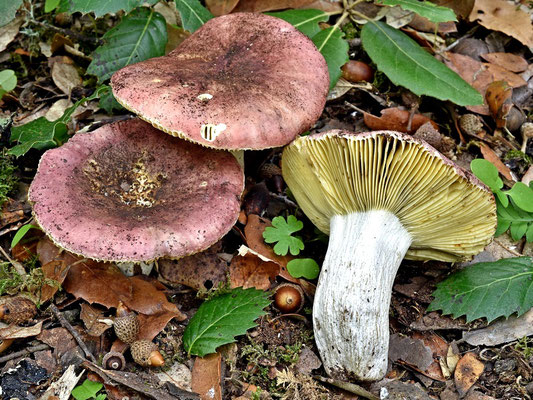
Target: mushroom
(381, 196)
(127, 193)
(241, 81)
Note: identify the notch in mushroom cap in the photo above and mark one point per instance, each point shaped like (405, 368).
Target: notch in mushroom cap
(241, 81)
(127, 193)
(381, 196)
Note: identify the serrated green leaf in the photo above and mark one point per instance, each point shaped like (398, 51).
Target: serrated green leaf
(424, 8)
(219, 320)
(281, 233)
(303, 268)
(87, 390)
(102, 7)
(522, 196)
(334, 48)
(487, 290)
(8, 10)
(407, 64)
(140, 35)
(42, 134)
(306, 21)
(193, 14)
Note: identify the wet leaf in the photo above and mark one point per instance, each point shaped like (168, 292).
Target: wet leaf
(420, 72)
(193, 14)
(424, 8)
(487, 290)
(220, 319)
(140, 35)
(467, 372)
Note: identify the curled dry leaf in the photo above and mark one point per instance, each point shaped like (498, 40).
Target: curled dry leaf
(508, 61)
(505, 17)
(248, 269)
(395, 119)
(467, 372)
(206, 375)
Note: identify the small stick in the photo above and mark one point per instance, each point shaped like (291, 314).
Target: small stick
(349, 387)
(24, 352)
(65, 324)
(18, 266)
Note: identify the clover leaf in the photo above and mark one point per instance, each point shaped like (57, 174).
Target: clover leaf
(281, 232)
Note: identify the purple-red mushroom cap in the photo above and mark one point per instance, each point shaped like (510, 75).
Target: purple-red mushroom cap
(127, 193)
(241, 81)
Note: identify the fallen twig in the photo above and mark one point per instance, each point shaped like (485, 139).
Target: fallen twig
(24, 352)
(349, 387)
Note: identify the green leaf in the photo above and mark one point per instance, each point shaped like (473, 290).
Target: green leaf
(193, 14)
(50, 5)
(21, 233)
(334, 49)
(281, 232)
(487, 290)
(219, 320)
(42, 134)
(522, 195)
(407, 64)
(306, 21)
(102, 7)
(8, 81)
(87, 390)
(425, 9)
(303, 268)
(107, 100)
(140, 35)
(8, 10)
(519, 222)
(488, 174)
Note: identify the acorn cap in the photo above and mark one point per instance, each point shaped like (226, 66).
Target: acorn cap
(241, 81)
(146, 354)
(127, 327)
(114, 360)
(126, 192)
(448, 212)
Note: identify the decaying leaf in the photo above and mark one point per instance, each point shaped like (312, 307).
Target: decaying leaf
(395, 119)
(498, 98)
(508, 61)
(467, 372)
(91, 317)
(55, 271)
(20, 332)
(9, 32)
(248, 269)
(411, 351)
(206, 375)
(505, 17)
(64, 74)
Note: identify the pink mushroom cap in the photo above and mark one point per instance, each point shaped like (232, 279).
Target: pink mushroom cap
(241, 81)
(127, 193)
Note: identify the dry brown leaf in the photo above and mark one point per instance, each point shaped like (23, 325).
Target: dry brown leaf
(411, 351)
(206, 375)
(505, 17)
(490, 155)
(498, 98)
(59, 339)
(57, 271)
(425, 25)
(64, 74)
(396, 119)
(249, 270)
(462, 8)
(175, 37)
(220, 7)
(9, 32)
(325, 5)
(439, 349)
(467, 372)
(90, 317)
(11, 212)
(269, 5)
(510, 62)
(253, 231)
(199, 271)
(20, 332)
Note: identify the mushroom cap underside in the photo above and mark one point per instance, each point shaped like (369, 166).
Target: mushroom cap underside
(448, 212)
(126, 192)
(241, 81)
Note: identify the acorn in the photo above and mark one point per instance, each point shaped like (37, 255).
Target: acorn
(114, 360)
(126, 324)
(357, 71)
(470, 124)
(146, 354)
(14, 310)
(289, 298)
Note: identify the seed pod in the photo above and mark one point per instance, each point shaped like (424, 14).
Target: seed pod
(289, 298)
(146, 354)
(114, 360)
(357, 71)
(15, 310)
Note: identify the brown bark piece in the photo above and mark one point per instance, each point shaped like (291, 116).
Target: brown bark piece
(467, 372)
(206, 375)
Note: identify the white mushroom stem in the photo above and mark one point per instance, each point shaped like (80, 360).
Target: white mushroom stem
(351, 306)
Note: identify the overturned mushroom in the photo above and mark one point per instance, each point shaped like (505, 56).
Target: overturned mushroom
(381, 196)
(127, 193)
(241, 81)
